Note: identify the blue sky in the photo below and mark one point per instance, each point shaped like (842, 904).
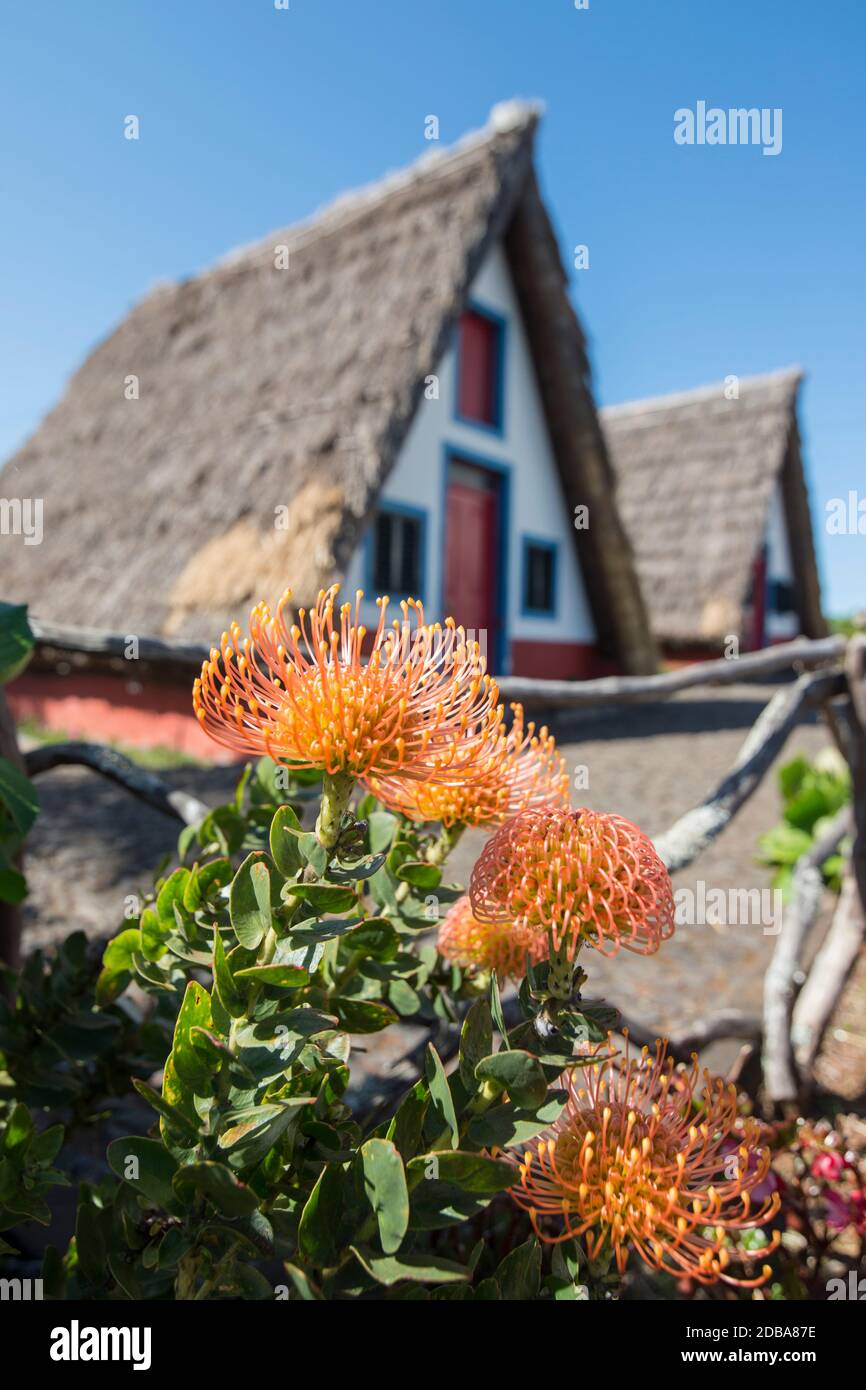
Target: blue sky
(704, 261)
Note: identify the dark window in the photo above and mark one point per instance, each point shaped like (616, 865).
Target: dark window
(781, 597)
(480, 369)
(397, 545)
(539, 577)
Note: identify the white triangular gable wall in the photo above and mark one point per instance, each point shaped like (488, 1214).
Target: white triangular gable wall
(537, 503)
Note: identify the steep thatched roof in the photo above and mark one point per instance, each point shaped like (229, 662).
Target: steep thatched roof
(262, 388)
(696, 473)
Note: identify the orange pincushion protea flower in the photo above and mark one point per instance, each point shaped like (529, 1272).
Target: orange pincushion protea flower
(631, 1164)
(420, 705)
(520, 769)
(577, 875)
(488, 945)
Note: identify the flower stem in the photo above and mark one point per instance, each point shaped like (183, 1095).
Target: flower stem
(561, 968)
(336, 792)
(436, 854)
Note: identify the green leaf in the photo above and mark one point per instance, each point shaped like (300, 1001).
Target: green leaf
(496, 1011)
(381, 827)
(46, 1146)
(362, 1015)
(505, 1125)
(193, 1068)
(218, 1183)
(404, 998)
(419, 874)
(519, 1275)
(231, 998)
(117, 965)
(224, 828)
(18, 795)
(791, 776)
(164, 1108)
(468, 1171)
(13, 886)
(16, 640)
(322, 897)
(212, 877)
(437, 1205)
(169, 897)
(254, 1130)
(303, 1285)
(518, 1073)
(147, 1166)
(19, 1130)
(282, 976)
(440, 1094)
(321, 1216)
(315, 854)
(424, 1269)
(784, 844)
(249, 1282)
(270, 1046)
(154, 933)
(89, 1241)
(375, 937)
(312, 932)
(285, 850)
(386, 1191)
(407, 1124)
(179, 1097)
(476, 1041)
(249, 901)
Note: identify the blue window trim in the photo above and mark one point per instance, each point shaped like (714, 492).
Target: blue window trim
(541, 543)
(500, 323)
(499, 659)
(397, 509)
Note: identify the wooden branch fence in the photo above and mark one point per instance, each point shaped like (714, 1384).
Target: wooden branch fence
(830, 677)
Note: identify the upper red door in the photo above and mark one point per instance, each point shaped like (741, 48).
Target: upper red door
(470, 561)
(479, 367)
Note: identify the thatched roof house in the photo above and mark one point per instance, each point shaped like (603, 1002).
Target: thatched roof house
(395, 393)
(712, 491)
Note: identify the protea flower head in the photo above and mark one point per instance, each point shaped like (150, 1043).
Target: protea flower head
(419, 705)
(519, 769)
(639, 1160)
(577, 876)
(488, 945)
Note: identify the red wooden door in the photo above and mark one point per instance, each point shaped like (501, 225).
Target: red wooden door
(470, 561)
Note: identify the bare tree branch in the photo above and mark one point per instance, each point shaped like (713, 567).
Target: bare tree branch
(628, 689)
(780, 1078)
(698, 828)
(830, 969)
(831, 966)
(108, 763)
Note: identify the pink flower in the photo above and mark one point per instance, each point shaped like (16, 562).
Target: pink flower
(829, 1165)
(846, 1210)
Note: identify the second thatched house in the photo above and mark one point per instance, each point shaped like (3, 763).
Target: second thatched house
(395, 394)
(712, 491)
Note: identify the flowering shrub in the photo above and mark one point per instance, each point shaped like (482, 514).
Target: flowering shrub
(295, 924)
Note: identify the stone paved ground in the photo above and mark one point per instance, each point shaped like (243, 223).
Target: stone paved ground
(94, 844)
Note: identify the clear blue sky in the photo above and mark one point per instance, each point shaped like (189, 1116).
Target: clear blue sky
(703, 261)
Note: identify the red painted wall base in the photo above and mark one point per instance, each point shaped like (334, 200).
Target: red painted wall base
(559, 661)
(112, 709)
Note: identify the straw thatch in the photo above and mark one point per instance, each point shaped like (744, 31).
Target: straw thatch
(696, 473)
(263, 388)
